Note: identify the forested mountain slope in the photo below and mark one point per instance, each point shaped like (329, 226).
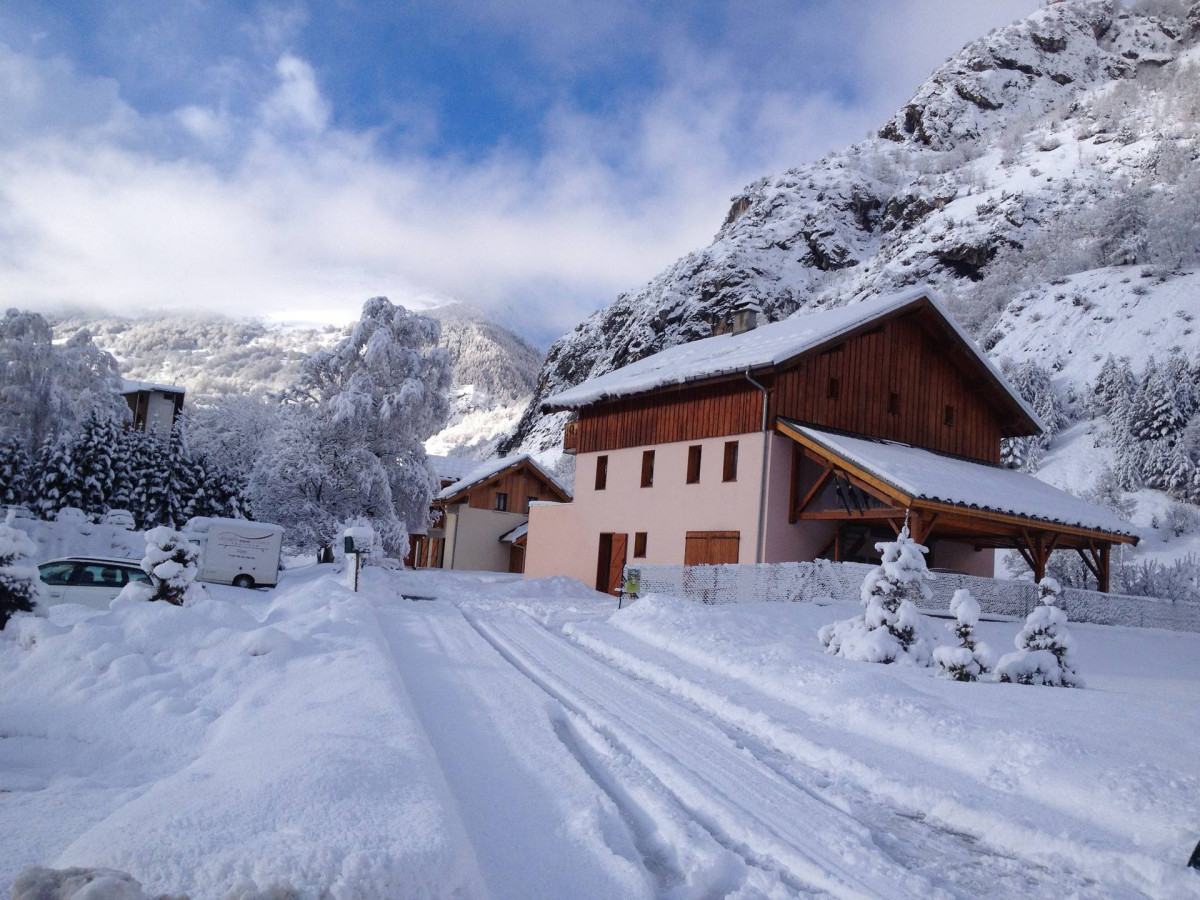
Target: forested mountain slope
(495, 371)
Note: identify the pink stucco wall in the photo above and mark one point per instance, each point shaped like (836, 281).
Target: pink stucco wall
(564, 537)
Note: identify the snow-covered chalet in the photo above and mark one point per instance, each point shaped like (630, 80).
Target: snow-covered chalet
(481, 513)
(813, 437)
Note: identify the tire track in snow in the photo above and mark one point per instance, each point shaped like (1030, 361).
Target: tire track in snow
(795, 756)
(747, 807)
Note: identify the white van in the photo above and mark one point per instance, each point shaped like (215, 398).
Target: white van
(237, 551)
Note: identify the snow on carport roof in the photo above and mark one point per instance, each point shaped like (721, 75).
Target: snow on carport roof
(925, 475)
(767, 345)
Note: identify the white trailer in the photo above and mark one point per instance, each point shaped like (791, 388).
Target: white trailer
(237, 551)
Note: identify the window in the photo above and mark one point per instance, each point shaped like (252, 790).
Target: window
(949, 418)
(693, 472)
(99, 575)
(639, 545)
(56, 573)
(529, 501)
(501, 501)
(729, 469)
(894, 403)
(647, 468)
(834, 390)
(601, 472)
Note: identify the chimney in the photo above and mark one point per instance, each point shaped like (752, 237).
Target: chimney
(745, 316)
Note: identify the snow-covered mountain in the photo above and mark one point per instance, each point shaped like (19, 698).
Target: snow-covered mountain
(1017, 176)
(495, 370)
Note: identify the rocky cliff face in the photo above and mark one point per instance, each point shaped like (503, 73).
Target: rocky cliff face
(1037, 126)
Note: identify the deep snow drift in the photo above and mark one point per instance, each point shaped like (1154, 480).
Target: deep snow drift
(457, 735)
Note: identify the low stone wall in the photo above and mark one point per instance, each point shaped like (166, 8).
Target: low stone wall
(841, 582)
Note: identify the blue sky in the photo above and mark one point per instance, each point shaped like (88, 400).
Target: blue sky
(288, 160)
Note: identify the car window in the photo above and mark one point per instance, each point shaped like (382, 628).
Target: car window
(137, 575)
(98, 575)
(56, 573)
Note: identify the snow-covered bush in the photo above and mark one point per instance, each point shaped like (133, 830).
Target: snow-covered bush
(171, 565)
(1181, 519)
(891, 630)
(971, 658)
(20, 585)
(1043, 654)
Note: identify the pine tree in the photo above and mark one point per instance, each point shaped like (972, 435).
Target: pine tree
(151, 493)
(1179, 473)
(171, 562)
(891, 629)
(58, 483)
(1163, 418)
(1155, 463)
(1115, 380)
(1044, 645)
(20, 585)
(126, 456)
(93, 455)
(971, 658)
(14, 472)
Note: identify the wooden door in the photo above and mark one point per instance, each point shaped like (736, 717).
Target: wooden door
(711, 548)
(516, 559)
(610, 562)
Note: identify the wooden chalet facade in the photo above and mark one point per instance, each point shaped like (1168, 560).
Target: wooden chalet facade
(822, 408)
(477, 512)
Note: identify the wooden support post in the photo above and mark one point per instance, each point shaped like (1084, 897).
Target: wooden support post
(811, 495)
(1092, 564)
(1105, 571)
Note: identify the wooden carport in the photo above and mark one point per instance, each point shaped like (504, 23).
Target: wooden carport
(833, 486)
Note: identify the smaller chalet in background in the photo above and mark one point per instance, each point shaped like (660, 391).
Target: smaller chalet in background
(481, 513)
(155, 407)
(814, 437)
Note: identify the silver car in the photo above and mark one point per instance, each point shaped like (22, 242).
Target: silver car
(87, 580)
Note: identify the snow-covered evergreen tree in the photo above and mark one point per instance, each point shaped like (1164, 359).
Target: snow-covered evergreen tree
(971, 658)
(171, 564)
(58, 483)
(20, 585)
(14, 472)
(92, 453)
(1043, 654)
(891, 629)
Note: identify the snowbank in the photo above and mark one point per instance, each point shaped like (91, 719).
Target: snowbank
(1102, 781)
(236, 743)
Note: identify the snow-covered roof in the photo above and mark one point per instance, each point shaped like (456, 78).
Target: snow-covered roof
(129, 386)
(451, 468)
(925, 475)
(516, 534)
(485, 470)
(759, 348)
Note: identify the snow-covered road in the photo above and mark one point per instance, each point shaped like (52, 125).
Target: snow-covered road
(516, 739)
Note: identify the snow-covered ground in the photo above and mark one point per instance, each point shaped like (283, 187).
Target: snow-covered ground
(456, 735)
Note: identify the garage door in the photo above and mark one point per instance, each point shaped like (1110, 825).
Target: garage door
(711, 548)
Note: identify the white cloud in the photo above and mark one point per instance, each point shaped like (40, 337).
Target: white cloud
(280, 213)
(297, 101)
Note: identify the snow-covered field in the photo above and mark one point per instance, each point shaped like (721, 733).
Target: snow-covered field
(522, 739)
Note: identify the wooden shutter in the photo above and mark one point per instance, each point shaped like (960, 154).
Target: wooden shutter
(693, 464)
(711, 548)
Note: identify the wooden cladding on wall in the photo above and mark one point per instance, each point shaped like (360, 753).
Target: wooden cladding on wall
(519, 485)
(896, 382)
(667, 416)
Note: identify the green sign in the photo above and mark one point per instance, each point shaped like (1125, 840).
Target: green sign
(633, 581)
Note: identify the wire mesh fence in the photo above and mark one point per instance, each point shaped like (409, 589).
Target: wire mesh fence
(823, 581)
